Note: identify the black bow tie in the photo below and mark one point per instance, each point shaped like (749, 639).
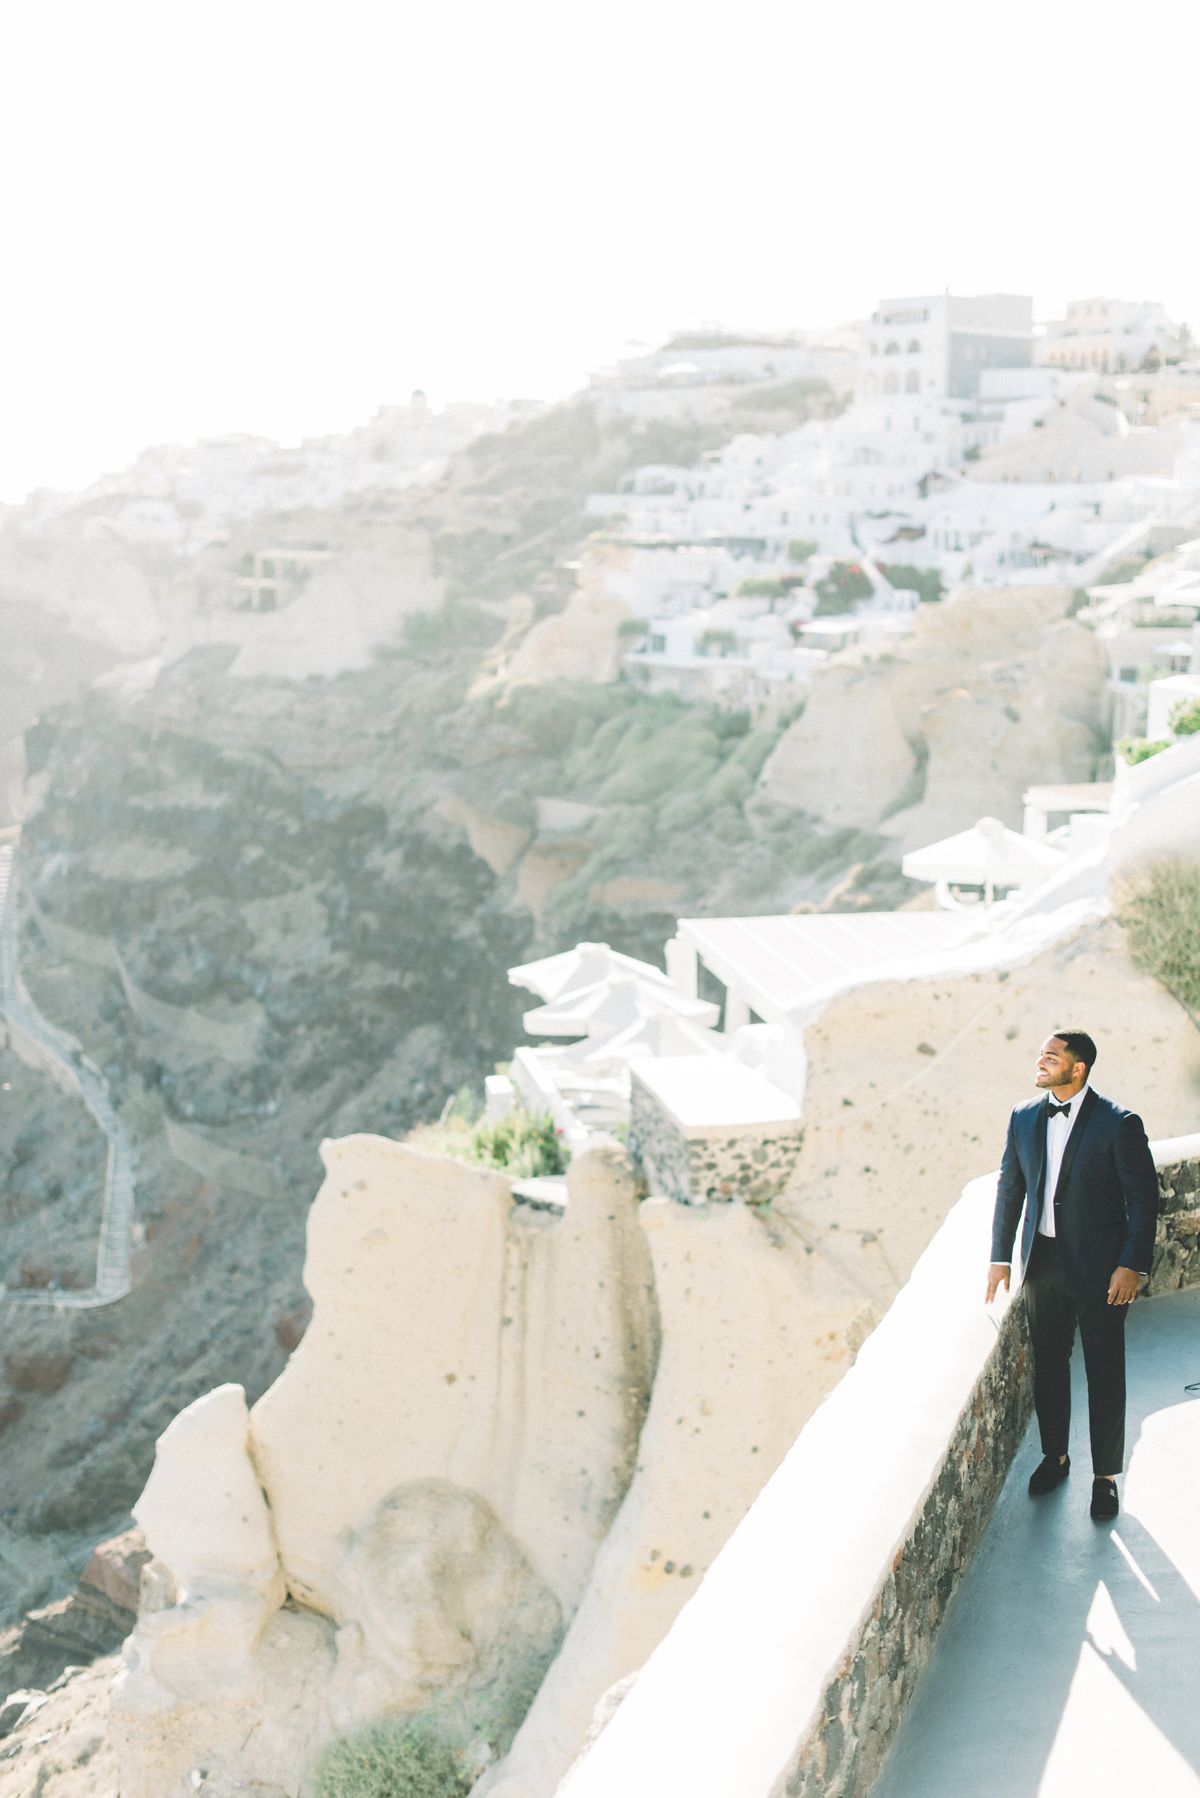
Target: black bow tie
(1060, 1111)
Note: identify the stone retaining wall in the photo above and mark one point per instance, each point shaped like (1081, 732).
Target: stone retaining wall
(228, 1167)
(232, 1039)
(843, 1751)
(700, 1163)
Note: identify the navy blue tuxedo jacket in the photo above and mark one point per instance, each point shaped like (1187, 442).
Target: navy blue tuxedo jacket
(1106, 1202)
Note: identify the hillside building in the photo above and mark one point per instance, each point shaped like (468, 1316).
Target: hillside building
(1107, 336)
(937, 345)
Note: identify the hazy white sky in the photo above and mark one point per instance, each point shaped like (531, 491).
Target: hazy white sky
(268, 216)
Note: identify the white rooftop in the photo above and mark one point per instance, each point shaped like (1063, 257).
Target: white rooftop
(715, 1091)
(583, 966)
(782, 963)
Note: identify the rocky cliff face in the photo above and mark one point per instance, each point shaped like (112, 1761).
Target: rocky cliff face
(275, 913)
(433, 1516)
(996, 690)
(279, 909)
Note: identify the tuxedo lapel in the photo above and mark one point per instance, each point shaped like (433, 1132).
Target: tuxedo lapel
(1040, 1119)
(1081, 1124)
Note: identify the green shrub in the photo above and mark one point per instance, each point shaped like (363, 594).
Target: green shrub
(760, 586)
(654, 760)
(799, 549)
(1139, 749)
(1185, 717)
(925, 581)
(731, 724)
(451, 627)
(1127, 569)
(1160, 909)
(397, 1759)
(466, 1104)
(522, 1144)
(716, 642)
(842, 588)
(633, 627)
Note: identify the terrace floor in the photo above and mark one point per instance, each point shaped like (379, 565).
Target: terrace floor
(1069, 1662)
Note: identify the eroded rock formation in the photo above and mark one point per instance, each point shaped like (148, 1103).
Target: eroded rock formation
(426, 1484)
(996, 689)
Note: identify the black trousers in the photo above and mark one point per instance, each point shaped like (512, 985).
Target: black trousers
(1053, 1314)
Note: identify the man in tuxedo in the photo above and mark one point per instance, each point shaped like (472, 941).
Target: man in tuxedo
(1082, 1169)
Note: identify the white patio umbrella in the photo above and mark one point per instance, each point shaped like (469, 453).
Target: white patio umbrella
(988, 855)
(586, 965)
(663, 1033)
(612, 1005)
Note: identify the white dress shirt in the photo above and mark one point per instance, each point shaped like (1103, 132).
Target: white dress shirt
(1058, 1130)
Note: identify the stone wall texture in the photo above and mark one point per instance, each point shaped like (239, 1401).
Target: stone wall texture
(695, 1166)
(753, 1166)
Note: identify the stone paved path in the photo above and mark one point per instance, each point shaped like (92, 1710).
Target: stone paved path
(76, 1071)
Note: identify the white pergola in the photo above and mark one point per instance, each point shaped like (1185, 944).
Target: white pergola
(781, 966)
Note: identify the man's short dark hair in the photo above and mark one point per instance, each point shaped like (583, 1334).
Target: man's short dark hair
(1080, 1044)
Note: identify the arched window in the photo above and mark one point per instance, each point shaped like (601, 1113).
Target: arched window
(914, 348)
(891, 349)
(912, 381)
(891, 381)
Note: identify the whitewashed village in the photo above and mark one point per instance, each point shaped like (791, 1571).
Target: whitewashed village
(698, 1269)
(973, 456)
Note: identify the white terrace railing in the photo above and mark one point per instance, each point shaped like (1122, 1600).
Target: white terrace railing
(788, 1671)
(36, 1041)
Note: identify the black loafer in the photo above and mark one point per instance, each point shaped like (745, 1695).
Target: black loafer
(1047, 1475)
(1105, 1503)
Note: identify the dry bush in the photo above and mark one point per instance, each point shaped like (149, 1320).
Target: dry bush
(1160, 909)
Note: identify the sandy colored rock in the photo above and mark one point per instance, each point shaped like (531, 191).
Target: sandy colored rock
(1079, 439)
(995, 690)
(441, 1599)
(203, 1512)
(580, 643)
(459, 1338)
(498, 843)
(848, 757)
(544, 868)
(62, 1748)
(443, 1454)
(752, 1339)
(259, 1729)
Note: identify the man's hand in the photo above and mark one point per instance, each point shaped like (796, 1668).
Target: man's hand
(1123, 1287)
(998, 1274)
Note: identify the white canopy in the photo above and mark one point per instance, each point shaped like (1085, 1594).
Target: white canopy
(987, 855)
(612, 1005)
(664, 1033)
(586, 965)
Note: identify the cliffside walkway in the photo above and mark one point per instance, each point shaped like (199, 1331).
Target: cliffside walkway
(40, 1043)
(1069, 1661)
